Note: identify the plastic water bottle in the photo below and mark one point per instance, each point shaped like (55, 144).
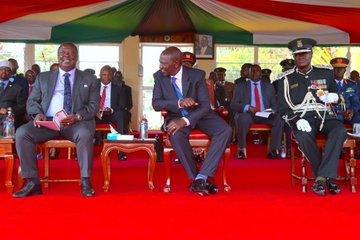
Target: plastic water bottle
(9, 125)
(144, 128)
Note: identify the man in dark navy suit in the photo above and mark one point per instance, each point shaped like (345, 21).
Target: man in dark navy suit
(251, 98)
(182, 91)
(11, 96)
(113, 107)
(16, 78)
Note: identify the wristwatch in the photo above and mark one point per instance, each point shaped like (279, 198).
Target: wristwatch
(78, 117)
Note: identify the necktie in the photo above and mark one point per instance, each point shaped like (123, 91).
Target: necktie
(184, 112)
(103, 97)
(339, 83)
(30, 89)
(257, 97)
(67, 94)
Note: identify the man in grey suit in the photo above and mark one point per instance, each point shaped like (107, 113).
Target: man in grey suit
(182, 91)
(77, 93)
(249, 98)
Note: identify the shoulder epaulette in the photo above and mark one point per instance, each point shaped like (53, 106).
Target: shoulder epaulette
(329, 67)
(283, 74)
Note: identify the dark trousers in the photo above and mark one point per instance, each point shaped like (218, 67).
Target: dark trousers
(325, 165)
(244, 120)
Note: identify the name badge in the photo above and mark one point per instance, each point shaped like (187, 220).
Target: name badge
(294, 86)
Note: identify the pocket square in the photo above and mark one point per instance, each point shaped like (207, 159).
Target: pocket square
(85, 86)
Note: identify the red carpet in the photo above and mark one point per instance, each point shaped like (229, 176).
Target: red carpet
(262, 205)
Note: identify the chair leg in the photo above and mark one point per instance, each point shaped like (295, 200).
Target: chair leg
(167, 163)
(304, 179)
(46, 167)
(227, 187)
(292, 165)
(353, 179)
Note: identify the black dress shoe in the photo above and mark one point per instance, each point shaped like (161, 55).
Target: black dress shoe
(199, 187)
(122, 156)
(319, 187)
(30, 189)
(241, 154)
(86, 188)
(211, 187)
(332, 186)
(274, 154)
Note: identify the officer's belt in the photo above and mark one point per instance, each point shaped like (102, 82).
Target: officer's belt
(313, 107)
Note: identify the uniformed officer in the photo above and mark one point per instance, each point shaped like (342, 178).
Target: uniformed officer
(265, 75)
(287, 64)
(223, 89)
(188, 59)
(347, 110)
(305, 106)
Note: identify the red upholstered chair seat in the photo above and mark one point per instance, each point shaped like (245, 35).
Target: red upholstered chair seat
(197, 134)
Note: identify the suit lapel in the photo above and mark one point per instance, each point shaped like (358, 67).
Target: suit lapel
(169, 86)
(76, 88)
(248, 89)
(53, 80)
(185, 82)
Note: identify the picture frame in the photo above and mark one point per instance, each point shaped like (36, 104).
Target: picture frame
(204, 46)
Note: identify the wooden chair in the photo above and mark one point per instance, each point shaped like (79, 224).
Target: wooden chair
(197, 139)
(259, 127)
(348, 159)
(55, 143)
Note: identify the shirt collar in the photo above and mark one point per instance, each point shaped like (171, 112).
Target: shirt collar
(72, 72)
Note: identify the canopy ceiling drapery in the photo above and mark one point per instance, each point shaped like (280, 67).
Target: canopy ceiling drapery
(260, 22)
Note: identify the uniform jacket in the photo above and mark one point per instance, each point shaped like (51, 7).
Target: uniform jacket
(299, 85)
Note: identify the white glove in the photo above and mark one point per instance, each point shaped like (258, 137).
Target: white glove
(303, 125)
(329, 98)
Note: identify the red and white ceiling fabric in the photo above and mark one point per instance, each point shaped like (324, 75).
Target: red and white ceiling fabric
(260, 22)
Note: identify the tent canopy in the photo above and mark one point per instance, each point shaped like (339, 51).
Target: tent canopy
(260, 22)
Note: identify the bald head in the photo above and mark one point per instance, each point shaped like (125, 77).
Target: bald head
(170, 61)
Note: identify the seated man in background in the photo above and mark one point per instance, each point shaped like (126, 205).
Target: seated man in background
(183, 93)
(347, 110)
(11, 96)
(17, 78)
(249, 98)
(244, 73)
(112, 105)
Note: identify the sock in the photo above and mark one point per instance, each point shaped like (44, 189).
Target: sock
(201, 176)
(320, 179)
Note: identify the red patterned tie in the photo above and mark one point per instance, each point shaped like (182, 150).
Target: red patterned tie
(103, 97)
(257, 97)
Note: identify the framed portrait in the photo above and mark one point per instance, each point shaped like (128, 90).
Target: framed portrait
(204, 46)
